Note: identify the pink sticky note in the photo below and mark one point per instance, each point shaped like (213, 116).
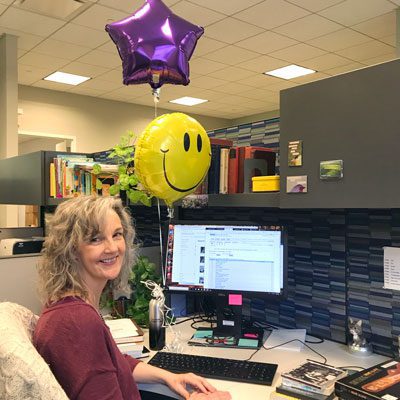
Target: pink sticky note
(235, 300)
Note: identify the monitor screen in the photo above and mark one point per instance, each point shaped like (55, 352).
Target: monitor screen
(244, 258)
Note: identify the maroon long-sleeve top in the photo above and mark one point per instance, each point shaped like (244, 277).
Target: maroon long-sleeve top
(77, 345)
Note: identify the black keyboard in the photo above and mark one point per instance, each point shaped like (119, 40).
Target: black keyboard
(216, 368)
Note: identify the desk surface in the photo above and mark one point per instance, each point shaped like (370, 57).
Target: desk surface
(336, 354)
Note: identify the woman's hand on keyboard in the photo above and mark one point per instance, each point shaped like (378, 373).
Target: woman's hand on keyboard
(178, 383)
(210, 396)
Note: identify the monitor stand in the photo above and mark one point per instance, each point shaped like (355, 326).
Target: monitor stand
(229, 331)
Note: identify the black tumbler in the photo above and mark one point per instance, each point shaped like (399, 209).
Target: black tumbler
(156, 328)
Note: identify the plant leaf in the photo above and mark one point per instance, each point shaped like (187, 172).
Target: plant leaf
(96, 169)
(99, 184)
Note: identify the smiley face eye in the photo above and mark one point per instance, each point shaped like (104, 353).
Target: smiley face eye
(199, 143)
(186, 141)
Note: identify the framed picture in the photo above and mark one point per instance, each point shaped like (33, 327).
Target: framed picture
(295, 153)
(332, 169)
(296, 184)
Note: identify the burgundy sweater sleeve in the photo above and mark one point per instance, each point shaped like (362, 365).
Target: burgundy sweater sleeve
(83, 356)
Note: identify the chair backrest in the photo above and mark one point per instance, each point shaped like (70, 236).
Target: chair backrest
(23, 372)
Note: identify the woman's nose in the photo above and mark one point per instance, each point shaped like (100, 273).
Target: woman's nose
(111, 245)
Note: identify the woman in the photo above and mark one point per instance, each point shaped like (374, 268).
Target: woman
(90, 243)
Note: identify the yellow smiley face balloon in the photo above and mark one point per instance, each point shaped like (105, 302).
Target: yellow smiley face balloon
(172, 156)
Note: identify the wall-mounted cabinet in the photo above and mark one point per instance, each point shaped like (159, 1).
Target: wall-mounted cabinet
(352, 117)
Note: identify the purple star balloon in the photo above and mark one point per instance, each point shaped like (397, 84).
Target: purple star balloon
(155, 45)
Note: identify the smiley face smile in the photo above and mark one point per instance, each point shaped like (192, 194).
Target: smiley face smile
(169, 182)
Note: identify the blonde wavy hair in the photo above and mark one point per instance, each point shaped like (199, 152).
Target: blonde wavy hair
(75, 221)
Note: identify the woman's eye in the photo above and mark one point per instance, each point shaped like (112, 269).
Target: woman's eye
(95, 239)
(118, 234)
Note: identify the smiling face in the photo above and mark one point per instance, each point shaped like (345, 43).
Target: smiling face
(102, 255)
(172, 156)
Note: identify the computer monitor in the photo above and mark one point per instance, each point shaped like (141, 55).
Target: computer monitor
(228, 260)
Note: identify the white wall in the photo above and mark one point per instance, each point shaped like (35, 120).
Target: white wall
(97, 123)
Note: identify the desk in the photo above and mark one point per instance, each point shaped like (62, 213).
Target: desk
(336, 354)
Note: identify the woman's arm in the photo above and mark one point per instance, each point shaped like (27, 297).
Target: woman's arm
(145, 373)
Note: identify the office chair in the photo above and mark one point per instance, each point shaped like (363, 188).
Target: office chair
(23, 372)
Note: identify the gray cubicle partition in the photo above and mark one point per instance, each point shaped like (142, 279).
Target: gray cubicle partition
(354, 117)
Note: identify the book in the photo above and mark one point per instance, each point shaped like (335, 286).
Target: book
(124, 330)
(233, 170)
(313, 374)
(135, 350)
(292, 384)
(303, 394)
(382, 381)
(214, 171)
(223, 171)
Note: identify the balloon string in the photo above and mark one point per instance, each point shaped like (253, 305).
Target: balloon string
(163, 271)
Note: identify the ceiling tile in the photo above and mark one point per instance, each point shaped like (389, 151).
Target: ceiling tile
(232, 88)
(27, 75)
(378, 27)
(308, 27)
(101, 58)
(380, 59)
(225, 7)
(25, 41)
(196, 14)
(311, 77)
(86, 91)
(271, 13)
(259, 94)
(366, 50)
(53, 86)
(232, 74)
(207, 45)
(28, 22)
(97, 17)
(261, 64)
(81, 35)
(100, 84)
(339, 40)
(2, 8)
(6, 2)
(124, 92)
(60, 49)
(206, 82)
(283, 84)
(39, 60)
(315, 5)
(114, 75)
(326, 61)
(127, 6)
(260, 81)
(231, 30)
(390, 40)
(352, 12)
(203, 66)
(231, 55)
(266, 42)
(79, 68)
(298, 53)
(108, 47)
(344, 68)
(396, 2)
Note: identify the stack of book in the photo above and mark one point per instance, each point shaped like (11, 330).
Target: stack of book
(232, 167)
(382, 381)
(309, 381)
(128, 336)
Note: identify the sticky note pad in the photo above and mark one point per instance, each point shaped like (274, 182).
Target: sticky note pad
(203, 334)
(235, 300)
(247, 343)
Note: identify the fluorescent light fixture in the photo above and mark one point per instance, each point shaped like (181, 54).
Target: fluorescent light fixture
(64, 77)
(188, 101)
(290, 71)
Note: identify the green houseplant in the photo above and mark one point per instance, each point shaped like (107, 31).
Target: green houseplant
(128, 182)
(143, 270)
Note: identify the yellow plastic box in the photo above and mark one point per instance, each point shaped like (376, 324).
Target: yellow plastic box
(266, 183)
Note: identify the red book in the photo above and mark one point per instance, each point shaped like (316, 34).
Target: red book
(235, 154)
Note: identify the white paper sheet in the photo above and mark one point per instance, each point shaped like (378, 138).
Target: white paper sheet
(279, 336)
(391, 268)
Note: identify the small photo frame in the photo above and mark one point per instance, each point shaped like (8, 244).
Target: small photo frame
(331, 170)
(295, 153)
(296, 184)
